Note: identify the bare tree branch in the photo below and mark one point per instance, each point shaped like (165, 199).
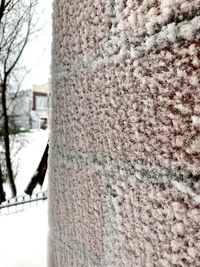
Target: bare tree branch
(16, 26)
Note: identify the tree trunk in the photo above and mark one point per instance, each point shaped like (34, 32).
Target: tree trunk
(38, 177)
(2, 193)
(2, 9)
(7, 142)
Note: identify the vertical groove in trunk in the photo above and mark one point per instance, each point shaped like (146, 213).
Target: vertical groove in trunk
(7, 143)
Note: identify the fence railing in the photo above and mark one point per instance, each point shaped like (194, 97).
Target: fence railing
(21, 203)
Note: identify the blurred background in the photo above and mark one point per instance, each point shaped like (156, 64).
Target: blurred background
(25, 90)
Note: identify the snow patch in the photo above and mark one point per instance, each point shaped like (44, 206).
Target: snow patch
(24, 238)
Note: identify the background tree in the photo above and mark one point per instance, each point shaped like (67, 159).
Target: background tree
(2, 193)
(17, 24)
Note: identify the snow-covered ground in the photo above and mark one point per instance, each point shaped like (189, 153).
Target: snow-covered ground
(28, 159)
(23, 236)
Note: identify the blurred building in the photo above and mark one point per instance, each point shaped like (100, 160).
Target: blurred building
(19, 109)
(28, 109)
(40, 105)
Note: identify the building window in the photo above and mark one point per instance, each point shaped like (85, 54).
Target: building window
(41, 102)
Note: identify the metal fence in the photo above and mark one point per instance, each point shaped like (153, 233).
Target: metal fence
(21, 203)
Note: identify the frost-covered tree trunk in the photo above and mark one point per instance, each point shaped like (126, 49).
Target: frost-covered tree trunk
(125, 134)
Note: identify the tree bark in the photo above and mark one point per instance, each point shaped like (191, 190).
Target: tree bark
(7, 142)
(2, 193)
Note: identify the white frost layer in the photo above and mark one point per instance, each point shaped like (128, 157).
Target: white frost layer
(182, 187)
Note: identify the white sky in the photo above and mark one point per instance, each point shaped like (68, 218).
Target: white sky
(37, 55)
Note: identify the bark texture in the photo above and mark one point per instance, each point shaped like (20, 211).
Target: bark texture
(124, 152)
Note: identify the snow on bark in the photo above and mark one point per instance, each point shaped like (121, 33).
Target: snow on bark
(124, 152)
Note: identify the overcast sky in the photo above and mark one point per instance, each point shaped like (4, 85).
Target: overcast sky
(37, 55)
